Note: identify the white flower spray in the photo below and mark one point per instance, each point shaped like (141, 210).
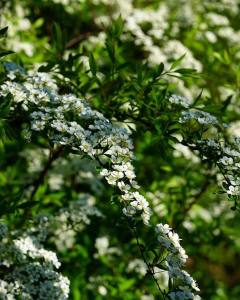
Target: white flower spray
(89, 132)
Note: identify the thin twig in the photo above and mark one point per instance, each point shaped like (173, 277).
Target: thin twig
(52, 157)
(197, 197)
(39, 180)
(76, 40)
(150, 269)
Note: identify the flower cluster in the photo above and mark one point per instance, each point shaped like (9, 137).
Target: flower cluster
(201, 117)
(78, 212)
(134, 29)
(179, 100)
(227, 160)
(103, 247)
(29, 270)
(138, 266)
(61, 228)
(152, 28)
(174, 261)
(92, 134)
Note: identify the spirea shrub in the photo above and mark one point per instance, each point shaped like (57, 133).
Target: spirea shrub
(119, 159)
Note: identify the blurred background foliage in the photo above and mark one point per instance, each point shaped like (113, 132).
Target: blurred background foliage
(111, 53)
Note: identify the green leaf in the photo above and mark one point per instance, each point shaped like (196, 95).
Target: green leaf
(3, 31)
(92, 64)
(197, 98)
(177, 62)
(5, 53)
(186, 72)
(27, 204)
(57, 32)
(5, 104)
(226, 103)
(160, 68)
(58, 39)
(117, 27)
(126, 284)
(110, 46)
(47, 67)
(6, 132)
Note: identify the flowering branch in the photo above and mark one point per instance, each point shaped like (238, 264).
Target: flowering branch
(89, 132)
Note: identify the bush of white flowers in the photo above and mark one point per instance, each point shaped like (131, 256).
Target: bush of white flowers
(120, 154)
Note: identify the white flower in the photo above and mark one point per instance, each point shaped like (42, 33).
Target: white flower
(163, 228)
(176, 99)
(102, 290)
(38, 125)
(226, 160)
(200, 116)
(138, 266)
(102, 244)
